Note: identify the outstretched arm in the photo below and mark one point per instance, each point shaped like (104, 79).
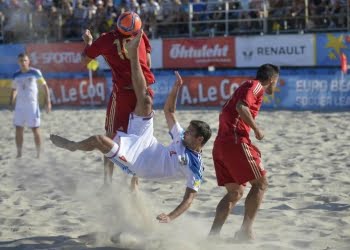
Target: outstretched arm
(190, 194)
(87, 37)
(170, 104)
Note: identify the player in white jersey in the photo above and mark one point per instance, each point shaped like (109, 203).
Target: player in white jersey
(25, 95)
(138, 152)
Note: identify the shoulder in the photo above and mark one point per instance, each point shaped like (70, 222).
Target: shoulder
(256, 87)
(35, 72)
(16, 74)
(176, 130)
(252, 85)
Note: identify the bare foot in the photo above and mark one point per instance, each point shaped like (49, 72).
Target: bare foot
(243, 236)
(134, 184)
(19, 155)
(62, 142)
(133, 45)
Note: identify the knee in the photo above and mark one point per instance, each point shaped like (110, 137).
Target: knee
(97, 139)
(235, 195)
(262, 184)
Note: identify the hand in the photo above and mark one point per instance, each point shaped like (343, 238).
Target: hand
(258, 134)
(179, 80)
(48, 107)
(163, 218)
(87, 37)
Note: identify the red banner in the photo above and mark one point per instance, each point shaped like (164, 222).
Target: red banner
(77, 91)
(57, 57)
(199, 53)
(208, 90)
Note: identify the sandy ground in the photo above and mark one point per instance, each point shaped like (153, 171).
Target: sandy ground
(57, 202)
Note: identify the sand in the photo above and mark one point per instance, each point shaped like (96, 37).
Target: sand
(57, 202)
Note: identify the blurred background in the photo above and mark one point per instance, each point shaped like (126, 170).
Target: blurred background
(214, 44)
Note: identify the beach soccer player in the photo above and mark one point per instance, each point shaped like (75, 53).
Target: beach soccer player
(237, 161)
(122, 100)
(24, 95)
(138, 151)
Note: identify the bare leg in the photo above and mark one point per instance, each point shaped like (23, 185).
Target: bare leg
(108, 166)
(19, 140)
(96, 142)
(37, 140)
(234, 194)
(144, 101)
(252, 204)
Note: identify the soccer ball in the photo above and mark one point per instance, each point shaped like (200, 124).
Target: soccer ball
(129, 23)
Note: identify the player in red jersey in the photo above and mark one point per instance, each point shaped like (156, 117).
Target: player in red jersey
(236, 160)
(122, 100)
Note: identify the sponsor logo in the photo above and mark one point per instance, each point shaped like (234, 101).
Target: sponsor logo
(248, 54)
(123, 158)
(182, 51)
(274, 51)
(197, 183)
(55, 57)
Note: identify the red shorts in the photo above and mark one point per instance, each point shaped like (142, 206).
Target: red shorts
(120, 105)
(236, 163)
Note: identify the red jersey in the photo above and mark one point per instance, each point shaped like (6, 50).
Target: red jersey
(230, 124)
(111, 47)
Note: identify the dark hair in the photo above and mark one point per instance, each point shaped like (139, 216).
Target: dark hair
(202, 129)
(267, 71)
(21, 55)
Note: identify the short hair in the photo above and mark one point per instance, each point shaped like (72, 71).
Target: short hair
(267, 71)
(202, 129)
(21, 55)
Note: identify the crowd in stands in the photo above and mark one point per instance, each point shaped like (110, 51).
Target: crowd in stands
(61, 20)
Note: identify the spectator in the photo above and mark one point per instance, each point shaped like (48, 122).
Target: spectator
(55, 31)
(149, 13)
(39, 19)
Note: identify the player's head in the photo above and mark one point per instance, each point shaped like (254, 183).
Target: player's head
(23, 61)
(268, 75)
(197, 134)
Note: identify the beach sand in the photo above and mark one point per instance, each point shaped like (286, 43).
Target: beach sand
(57, 202)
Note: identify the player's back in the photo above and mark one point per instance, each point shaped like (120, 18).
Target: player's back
(161, 161)
(112, 47)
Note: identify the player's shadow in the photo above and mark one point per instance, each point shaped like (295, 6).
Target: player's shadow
(56, 243)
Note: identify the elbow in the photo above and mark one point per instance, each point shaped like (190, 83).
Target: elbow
(239, 107)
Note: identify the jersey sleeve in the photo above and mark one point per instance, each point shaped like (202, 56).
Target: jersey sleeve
(147, 43)
(193, 182)
(39, 77)
(97, 48)
(176, 132)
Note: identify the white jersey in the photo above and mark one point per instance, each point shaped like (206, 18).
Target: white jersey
(26, 85)
(143, 155)
(27, 112)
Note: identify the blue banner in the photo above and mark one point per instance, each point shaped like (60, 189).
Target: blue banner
(329, 46)
(319, 93)
(8, 59)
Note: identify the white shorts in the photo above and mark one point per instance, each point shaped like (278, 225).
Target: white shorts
(28, 115)
(131, 145)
